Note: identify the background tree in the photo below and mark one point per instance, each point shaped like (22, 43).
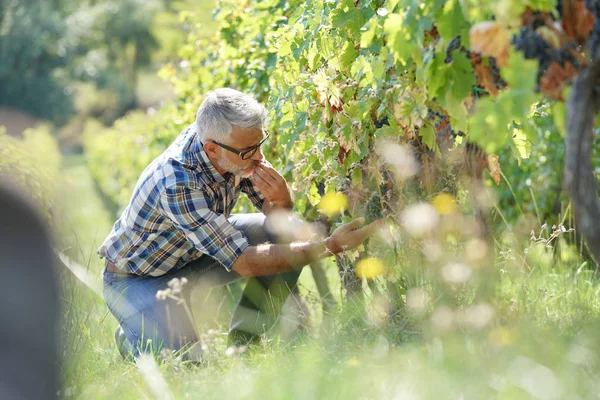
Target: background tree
(33, 57)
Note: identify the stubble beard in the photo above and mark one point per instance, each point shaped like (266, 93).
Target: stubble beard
(234, 169)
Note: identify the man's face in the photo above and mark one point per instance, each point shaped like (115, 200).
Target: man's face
(241, 139)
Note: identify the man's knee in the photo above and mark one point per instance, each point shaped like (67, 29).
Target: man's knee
(252, 226)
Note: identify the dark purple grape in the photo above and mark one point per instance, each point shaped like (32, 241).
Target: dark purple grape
(454, 44)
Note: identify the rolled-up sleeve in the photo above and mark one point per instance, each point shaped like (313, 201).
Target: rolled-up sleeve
(211, 233)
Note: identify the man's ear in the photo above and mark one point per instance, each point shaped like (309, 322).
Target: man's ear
(211, 149)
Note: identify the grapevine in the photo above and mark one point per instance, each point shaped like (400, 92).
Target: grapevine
(445, 78)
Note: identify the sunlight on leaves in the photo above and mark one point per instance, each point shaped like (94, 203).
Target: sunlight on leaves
(369, 268)
(333, 203)
(444, 203)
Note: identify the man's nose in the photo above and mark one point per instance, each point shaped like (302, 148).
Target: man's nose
(258, 156)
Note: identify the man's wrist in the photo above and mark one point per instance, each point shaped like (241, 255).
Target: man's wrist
(331, 246)
(284, 204)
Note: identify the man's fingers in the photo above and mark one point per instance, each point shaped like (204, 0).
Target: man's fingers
(260, 178)
(353, 224)
(268, 179)
(370, 229)
(366, 231)
(262, 185)
(271, 173)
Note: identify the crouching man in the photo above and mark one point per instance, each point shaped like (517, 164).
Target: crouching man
(178, 224)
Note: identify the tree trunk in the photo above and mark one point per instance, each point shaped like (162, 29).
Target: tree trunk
(580, 182)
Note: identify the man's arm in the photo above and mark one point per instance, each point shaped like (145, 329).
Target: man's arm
(270, 259)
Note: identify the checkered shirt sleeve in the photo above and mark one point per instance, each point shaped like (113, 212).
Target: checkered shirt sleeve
(211, 233)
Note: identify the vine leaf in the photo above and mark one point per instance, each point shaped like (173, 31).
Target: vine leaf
(490, 38)
(327, 91)
(428, 136)
(451, 20)
(494, 168)
(398, 38)
(489, 123)
(555, 77)
(578, 21)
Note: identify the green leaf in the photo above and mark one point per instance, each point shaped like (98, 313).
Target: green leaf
(456, 77)
(369, 34)
(435, 75)
(399, 39)
(285, 48)
(428, 135)
(348, 55)
(313, 195)
(457, 112)
(462, 76)
(522, 144)
(450, 21)
(519, 72)
(347, 16)
(542, 5)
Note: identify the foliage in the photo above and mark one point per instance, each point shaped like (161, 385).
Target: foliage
(338, 77)
(356, 90)
(119, 153)
(112, 41)
(540, 342)
(46, 46)
(171, 29)
(534, 185)
(32, 163)
(33, 54)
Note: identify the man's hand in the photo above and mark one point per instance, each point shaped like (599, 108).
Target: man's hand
(272, 185)
(351, 235)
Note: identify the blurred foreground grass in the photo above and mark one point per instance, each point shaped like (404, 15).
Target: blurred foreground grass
(538, 338)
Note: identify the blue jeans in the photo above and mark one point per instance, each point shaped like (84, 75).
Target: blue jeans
(150, 324)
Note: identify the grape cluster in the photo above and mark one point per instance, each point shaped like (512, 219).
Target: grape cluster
(534, 46)
(498, 81)
(381, 122)
(594, 40)
(442, 125)
(455, 44)
(531, 44)
(436, 117)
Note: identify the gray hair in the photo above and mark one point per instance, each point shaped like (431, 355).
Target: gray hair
(223, 108)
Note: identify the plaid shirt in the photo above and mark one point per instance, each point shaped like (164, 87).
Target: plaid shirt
(178, 212)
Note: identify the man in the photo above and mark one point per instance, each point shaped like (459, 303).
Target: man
(178, 225)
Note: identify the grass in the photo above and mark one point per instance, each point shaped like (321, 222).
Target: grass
(540, 340)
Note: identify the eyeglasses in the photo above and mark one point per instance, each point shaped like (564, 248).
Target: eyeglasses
(246, 154)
